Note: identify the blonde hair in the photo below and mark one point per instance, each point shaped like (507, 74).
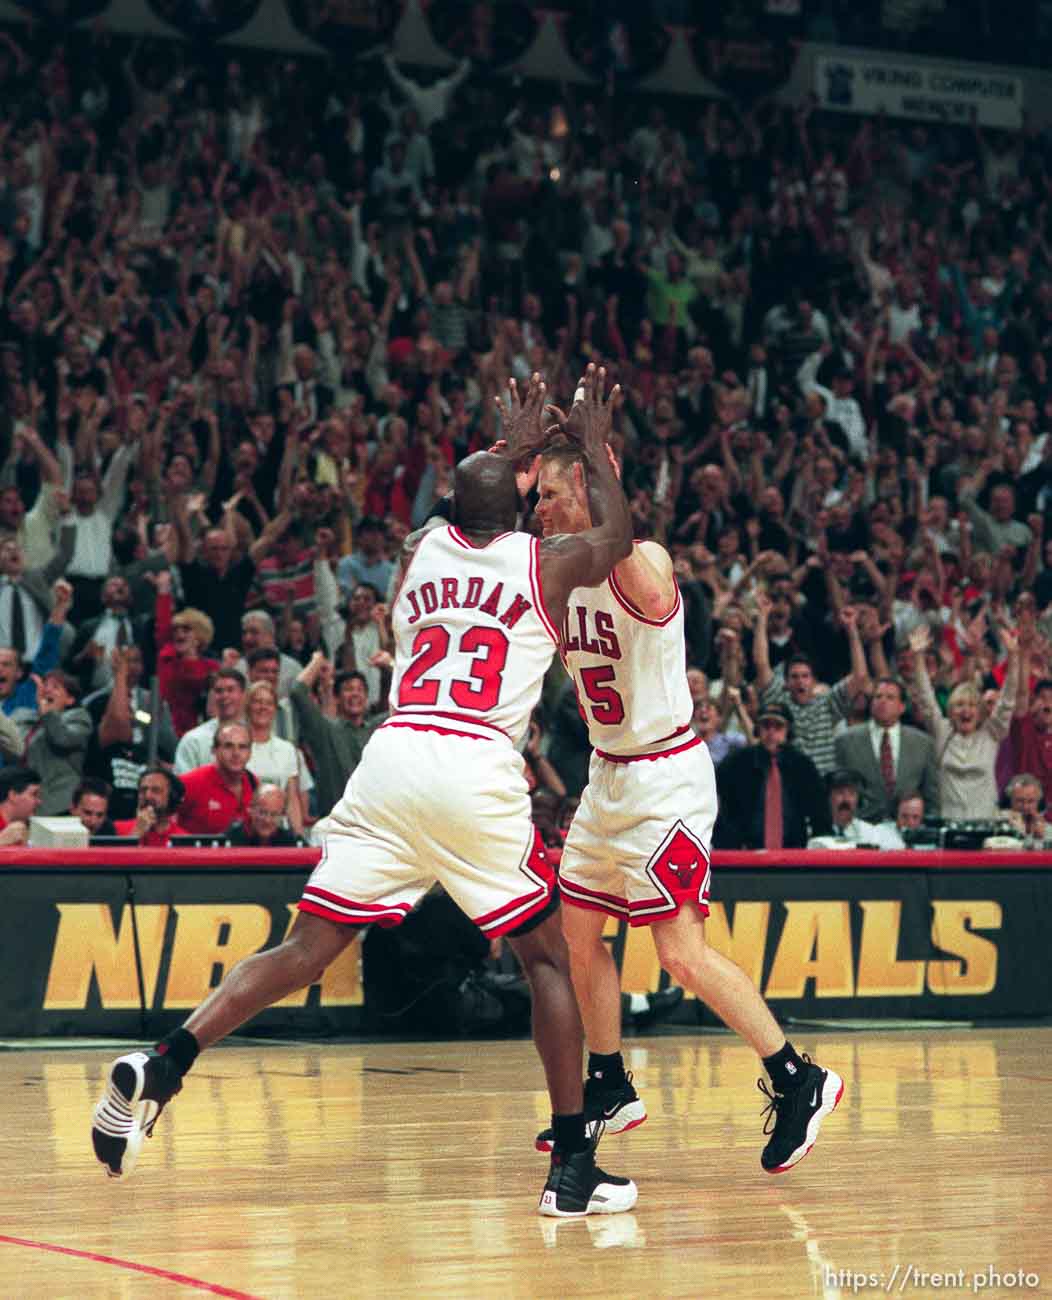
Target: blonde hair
(963, 693)
(258, 688)
(198, 622)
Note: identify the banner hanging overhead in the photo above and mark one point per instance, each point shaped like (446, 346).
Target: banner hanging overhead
(850, 83)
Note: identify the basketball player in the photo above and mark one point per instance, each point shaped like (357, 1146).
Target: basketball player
(638, 847)
(440, 795)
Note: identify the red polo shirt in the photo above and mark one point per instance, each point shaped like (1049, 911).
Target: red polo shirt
(153, 839)
(209, 806)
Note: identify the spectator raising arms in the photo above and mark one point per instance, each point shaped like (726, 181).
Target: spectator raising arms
(251, 319)
(966, 745)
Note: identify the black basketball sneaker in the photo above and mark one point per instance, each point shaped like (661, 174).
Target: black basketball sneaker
(576, 1186)
(793, 1118)
(619, 1108)
(139, 1087)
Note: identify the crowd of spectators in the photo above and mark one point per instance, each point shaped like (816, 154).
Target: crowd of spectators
(255, 308)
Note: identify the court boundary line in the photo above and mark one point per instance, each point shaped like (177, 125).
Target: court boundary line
(168, 1275)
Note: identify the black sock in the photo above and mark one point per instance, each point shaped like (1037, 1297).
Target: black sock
(181, 1046)
(611, 1069)
(569, 1132)
(787, 1070)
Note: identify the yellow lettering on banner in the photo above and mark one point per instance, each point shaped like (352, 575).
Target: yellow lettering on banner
(953, 928)
(745, 944)
(341, 983)
(86, 943)
(815, 943)
(196, 948)
(880, 972)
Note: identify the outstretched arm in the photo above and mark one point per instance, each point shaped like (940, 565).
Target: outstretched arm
(585, 559)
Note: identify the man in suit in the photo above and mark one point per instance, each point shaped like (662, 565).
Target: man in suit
(771, 795)
(26, 595)
(890, 759)
(57, 742)
(91, 654)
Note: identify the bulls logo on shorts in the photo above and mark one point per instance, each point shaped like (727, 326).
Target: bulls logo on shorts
(681, 866)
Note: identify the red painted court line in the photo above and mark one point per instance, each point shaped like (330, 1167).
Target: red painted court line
(165, 1273)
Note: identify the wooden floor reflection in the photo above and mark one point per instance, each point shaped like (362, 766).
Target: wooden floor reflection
(408, 1170)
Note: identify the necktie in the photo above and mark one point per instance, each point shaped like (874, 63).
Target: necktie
(772, 808)
(887, 765)
(122, 631)
(18, 621)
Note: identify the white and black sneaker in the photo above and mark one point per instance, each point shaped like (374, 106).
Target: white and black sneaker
(576, 1186)
(139, 1087)
(619, 1109)
(793, 1118)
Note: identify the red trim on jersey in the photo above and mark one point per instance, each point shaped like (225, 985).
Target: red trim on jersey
(347, 912)
(509, 916)
(385, 920)
(661, 753)
(440, 731)
(665, 909)
(461, 540)
(593, 899)
(494, 930)
(629, 608)
(654, 909)
(409, 565)
(402, 716)
(535, 587)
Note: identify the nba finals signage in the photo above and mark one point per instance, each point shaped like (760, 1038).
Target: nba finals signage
(117, 952)
(849, 83)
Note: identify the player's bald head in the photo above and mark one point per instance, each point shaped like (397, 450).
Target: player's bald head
(487, 499)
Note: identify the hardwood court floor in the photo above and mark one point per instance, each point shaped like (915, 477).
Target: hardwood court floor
(351, 1170)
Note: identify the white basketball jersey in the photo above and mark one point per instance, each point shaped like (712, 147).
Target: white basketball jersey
(472, 638)
(630, 671)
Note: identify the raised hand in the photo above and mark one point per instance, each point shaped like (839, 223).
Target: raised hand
(591, 416)
(1009, 639)
(920, 639)
(522, 419)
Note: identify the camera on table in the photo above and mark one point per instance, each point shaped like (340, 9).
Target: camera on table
(961, 835)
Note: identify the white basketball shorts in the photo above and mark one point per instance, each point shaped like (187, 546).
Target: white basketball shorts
(421, 807)
(638, 847)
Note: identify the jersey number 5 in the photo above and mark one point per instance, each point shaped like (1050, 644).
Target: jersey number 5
(489, 650)
(607, 706)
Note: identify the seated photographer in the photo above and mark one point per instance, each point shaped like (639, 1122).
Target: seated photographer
(1026, 810)
(843, 786)
(263, 827)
